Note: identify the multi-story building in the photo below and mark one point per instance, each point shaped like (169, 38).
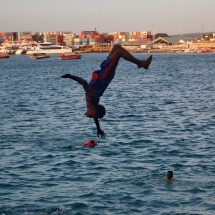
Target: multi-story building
(53, 37)
(68, 38)
(26, 36)
(213, 37)
(8, 36)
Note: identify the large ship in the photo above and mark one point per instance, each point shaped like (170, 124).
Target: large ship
(48, 48)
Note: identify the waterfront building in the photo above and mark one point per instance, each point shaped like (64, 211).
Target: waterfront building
(179, 41)
(213, 38)
(68, 38)
(8, 36)
(172, 40)
(26, 36)
(53, 37)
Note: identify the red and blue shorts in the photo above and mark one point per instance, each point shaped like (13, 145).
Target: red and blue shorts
(102, 78)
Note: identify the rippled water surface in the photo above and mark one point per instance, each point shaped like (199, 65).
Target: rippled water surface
(157, 120)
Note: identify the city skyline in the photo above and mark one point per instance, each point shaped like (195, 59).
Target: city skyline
(163, 16)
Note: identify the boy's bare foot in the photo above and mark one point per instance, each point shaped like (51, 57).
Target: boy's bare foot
(145, 64)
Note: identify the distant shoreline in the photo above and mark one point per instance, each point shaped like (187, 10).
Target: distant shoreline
(154, 50)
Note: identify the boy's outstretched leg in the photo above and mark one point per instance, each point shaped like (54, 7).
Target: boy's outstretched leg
(118, 51)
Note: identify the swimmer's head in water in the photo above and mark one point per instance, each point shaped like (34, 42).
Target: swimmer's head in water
(169, 175)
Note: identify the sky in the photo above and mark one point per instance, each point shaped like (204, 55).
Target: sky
(158, 16)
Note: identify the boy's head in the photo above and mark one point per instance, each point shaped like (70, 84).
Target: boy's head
(101, 111)
(96, 111)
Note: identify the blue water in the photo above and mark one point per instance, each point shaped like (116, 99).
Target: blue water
(157, 120)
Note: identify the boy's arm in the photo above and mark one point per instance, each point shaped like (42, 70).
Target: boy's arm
(80, 81)
(99, 131)
(90, 91)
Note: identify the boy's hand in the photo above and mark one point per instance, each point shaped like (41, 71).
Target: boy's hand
(66, 76)
(101, 133)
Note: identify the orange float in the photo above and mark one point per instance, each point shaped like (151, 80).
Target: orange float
(90, 143)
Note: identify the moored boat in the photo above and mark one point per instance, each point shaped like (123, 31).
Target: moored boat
(70, 56)
(4, 55)
(204, 50)
(21, 51)
(48, 48)
(37, 56)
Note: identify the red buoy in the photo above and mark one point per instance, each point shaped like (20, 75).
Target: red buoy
(90, 143)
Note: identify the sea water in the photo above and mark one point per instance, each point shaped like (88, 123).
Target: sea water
(157, 120)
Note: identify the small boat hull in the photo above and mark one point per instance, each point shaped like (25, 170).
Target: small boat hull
(38, 56)
(4, 55)
(70, 56)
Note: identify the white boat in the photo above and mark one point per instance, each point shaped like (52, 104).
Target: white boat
(48, 48)
(11, 47)
(4, 49)
(21, 51)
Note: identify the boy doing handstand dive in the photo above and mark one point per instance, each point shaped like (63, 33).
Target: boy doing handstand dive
(100, 81)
